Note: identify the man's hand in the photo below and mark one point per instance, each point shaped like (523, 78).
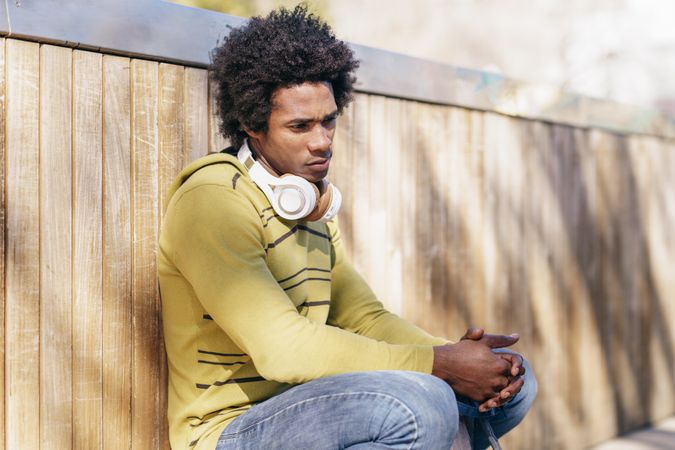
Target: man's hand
(475, 371)
(516, 361)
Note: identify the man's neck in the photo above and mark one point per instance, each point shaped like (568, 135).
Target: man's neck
(258, 156)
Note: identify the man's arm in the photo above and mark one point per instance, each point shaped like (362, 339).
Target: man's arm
(216, 242)
(354, 306)
(471, 368)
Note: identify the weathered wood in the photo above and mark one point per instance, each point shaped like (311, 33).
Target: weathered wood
(196, 113)
(410, 217)
(376, 234)
(145, 376)
(172, 126)
(56, 376)
(172, 158)
(340, 172)
(439, 184)
(3, 222)
(455, 217)
(424, 236)
(87, 251)
(216, 141)
(360, 181)
(22, 398)
(390, 156)
(117, 248)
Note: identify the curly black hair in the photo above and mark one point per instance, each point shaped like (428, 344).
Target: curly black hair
(286, 48)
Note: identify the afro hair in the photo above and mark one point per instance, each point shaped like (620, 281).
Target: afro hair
(286, 48)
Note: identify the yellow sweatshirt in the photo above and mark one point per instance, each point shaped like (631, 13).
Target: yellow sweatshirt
(253, 304)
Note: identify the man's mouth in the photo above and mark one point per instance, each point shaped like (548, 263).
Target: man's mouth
(320, 164)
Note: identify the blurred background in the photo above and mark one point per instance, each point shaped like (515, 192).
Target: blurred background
(623, 50)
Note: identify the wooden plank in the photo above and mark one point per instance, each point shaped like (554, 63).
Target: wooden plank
(377, 231)
(409, 214)
(196, 113)
(22, 360)
(389, 185)
(117, 309)
(475, 211)
(88, 251)
(538, 144)
(56, 404)
(655, 167)
(3, 222)
(440, 214)
(630, 238)
(360, 184)
(457, 190)
(145, 207)
(341, 173)
(495, 269)
(424, 232)
(588, 355)
(216, 141)
(609, 198)
(171, 131)
(430, 170)
(172, 158)
(434, 180)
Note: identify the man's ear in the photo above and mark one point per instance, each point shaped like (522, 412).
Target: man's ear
(252, 134)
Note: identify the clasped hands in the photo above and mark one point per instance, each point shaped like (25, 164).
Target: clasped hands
(473, 370)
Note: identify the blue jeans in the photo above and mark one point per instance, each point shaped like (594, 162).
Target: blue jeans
(369, 410)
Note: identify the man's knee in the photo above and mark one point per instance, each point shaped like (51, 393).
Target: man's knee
(431, 402)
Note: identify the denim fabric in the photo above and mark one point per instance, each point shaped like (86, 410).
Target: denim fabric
(367, 410)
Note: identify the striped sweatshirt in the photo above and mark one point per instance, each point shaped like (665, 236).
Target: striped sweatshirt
(253, 304)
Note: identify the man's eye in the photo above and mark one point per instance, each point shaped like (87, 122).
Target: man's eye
(299, 126)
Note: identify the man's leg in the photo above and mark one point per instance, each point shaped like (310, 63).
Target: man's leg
(501, 420)
(358, 411)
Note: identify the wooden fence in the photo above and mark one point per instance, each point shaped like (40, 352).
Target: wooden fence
(455, 216)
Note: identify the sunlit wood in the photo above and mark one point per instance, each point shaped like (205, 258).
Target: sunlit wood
(456, 217)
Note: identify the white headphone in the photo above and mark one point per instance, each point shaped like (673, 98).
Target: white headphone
(291, 196)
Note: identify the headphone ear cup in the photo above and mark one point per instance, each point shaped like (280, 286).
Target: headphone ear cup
(323, 202)
(317, 194)
(294, 197)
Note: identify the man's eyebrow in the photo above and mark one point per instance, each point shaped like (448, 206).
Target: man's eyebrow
(301, 120)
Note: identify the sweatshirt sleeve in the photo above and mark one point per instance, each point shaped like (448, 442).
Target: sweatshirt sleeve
(216, 242)
(354, 306)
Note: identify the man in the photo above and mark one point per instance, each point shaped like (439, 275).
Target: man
(273, 340)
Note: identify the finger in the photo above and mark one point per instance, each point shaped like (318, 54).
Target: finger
(487, 405)
(502, 367)
(500, 340)
(517, 366)
(512, 389)
(473, 333)
(500, 384)
(503, 397)
(516, 362)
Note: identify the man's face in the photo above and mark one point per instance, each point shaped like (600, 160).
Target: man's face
(299, 133)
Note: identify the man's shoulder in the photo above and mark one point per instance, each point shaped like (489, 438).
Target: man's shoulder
(218, 174)
(216, 169)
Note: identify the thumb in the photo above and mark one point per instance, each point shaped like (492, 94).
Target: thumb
(500, 340)
(473, 333)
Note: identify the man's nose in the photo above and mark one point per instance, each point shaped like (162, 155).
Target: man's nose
(321, 139)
